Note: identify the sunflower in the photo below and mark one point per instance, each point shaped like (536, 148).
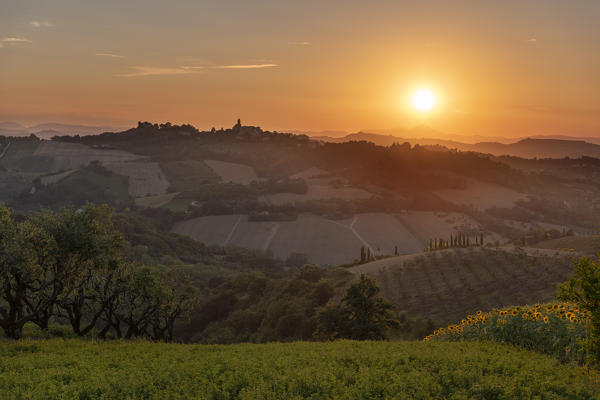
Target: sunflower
(515, 312)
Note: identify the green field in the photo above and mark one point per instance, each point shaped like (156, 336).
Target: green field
(86, 184)
(67, 369)
(586, 244)
(188, 175)
(20, 158)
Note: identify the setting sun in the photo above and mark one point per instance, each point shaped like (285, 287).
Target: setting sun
(423, 100)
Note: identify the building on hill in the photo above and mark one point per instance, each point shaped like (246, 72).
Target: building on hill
(245, 131)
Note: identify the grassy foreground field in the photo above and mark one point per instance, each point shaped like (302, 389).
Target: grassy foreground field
(67, 369)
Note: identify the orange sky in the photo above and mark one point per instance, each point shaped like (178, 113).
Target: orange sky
(509, 68)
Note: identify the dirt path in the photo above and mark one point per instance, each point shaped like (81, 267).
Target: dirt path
(272, 234)
(228, 238)
(5, 150)
(355, 233)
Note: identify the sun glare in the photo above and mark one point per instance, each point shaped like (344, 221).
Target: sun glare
(423, 100)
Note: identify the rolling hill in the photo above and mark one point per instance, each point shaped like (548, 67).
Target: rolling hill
(448, 284)
(525, 148)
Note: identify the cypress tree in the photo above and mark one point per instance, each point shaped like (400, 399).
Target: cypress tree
(481, 240)
(362, 254)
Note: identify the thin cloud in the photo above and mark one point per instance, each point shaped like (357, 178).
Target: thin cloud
(187, 69)
(247, 66)
(300, 43)
(40, 24)
(109, 55)
(531, 40)
(150, 71)
(13, 40)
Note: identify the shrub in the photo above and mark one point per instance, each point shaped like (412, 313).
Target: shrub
(583, 288)
(556, 329)
(363, 314)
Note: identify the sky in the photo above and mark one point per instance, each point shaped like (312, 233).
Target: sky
(510, 68)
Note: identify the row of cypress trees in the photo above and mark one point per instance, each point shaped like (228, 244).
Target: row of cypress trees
(456, 241)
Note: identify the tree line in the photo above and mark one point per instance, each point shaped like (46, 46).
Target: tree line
(69, 267)
(456, 241)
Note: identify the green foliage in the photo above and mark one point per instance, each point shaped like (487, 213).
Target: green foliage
(68, 266)
(254, 307)
(92, 183)
(583, 288)
(555, 329)
(362, 315)
(80, 369)
(28, 272)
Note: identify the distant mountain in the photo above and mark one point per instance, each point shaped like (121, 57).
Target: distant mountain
(332, 134)
(525, 148)
(71, 129)
(426, 132)
(12, 129)
(589, 139)
(50, 129)
(12, 126)
(541, 148)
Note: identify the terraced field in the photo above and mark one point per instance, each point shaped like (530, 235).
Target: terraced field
(323, 240)
(449, 284)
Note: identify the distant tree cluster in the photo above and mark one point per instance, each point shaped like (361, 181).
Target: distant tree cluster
(69, 267)
(455, 241)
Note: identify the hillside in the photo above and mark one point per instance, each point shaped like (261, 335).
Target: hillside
(50, 129)
(342, 370)
(526, 148)
(293, 195)
(588, 245)
(446, 285)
